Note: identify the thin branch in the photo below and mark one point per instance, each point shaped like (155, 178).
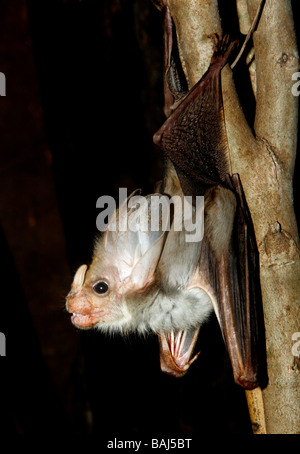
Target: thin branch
(249, 34)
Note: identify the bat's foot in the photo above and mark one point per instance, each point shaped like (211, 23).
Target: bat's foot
(223, 48)
(176, 351)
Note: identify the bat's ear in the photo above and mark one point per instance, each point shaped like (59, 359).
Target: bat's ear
(148, 228)
(144, 270)
(136, 237)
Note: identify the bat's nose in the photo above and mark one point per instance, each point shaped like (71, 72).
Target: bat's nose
(78, 303)
(79, 277)
(84, 314)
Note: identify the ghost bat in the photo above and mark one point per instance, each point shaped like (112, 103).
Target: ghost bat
(145, 280)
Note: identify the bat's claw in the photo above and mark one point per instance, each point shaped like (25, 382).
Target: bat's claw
(223, 48)
(176, 351)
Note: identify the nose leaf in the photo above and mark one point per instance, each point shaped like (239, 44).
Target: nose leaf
(79, 277)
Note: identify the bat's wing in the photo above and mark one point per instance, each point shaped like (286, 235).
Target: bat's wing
(194, 136)
(232, 282)
(225, 266)
(194, 139)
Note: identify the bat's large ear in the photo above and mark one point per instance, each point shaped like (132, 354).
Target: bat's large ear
(136, 236)
(148, 226)
(144, 270)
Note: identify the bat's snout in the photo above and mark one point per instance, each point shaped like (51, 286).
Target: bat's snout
(83, 314)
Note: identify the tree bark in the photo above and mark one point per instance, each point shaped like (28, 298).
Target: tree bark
(264, 157)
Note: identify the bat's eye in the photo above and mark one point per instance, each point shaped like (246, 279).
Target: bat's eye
(100, 287)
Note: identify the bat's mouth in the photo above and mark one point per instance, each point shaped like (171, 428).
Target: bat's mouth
(176, 349)
(86, 320)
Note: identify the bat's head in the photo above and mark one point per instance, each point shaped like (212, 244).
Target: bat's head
(98, 298)
(121, 278)
(101, 295)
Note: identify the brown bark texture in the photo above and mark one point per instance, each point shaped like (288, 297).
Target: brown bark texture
(264, 157)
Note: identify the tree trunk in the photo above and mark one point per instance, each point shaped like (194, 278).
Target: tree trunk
(265, 161)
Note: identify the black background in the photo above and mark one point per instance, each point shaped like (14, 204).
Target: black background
(84, 97)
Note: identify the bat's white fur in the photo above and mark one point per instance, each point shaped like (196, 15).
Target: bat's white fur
(178, 310)
(148, 274)
(185, 309)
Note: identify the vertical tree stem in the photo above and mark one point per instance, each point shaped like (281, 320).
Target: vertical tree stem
(265, 163)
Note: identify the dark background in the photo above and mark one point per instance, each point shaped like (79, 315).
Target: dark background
(84, 97)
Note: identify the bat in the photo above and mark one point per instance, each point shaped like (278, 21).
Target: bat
(143, 279)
